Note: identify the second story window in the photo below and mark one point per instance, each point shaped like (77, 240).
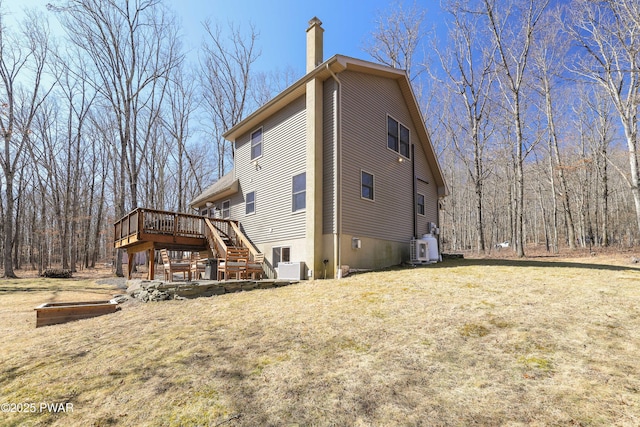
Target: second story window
(392, 134)
(397, 137)
(250, 203)
(256, 144)
(299, 192)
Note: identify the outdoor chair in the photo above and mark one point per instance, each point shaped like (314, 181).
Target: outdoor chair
(254, 267)
(173, 266)
(235, 263)
(197, 265)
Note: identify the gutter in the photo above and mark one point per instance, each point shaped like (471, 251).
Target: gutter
(337, 249)
(415, 189)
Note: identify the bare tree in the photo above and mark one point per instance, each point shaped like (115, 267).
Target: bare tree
(225, 78)
(182, 104)
(23, 58)
(96, 181)
(601, 141)
(399, 31)
(266, 85)
(469, 67)
(513, 26)
(131, 45)
(548, 60)
(609, 33)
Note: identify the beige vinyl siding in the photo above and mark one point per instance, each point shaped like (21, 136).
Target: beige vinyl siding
(367, 100)
(283, 156)
(329, 177)
(430, 191)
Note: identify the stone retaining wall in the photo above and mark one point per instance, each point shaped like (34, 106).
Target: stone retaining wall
(155, 290)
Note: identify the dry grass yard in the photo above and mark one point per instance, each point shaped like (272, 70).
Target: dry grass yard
(539, 342)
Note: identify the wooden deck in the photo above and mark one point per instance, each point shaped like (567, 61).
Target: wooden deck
(170, 229)
(150, 230)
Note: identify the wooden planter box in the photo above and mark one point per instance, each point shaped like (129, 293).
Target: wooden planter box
(52, 313)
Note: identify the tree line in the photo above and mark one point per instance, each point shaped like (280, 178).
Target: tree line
(532, 107)
(109, 118)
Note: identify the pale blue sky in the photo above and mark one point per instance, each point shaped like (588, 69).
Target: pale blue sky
(281, 24)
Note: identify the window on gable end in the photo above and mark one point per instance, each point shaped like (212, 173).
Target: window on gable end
(398, 137)
(404, 141)
(392, 133)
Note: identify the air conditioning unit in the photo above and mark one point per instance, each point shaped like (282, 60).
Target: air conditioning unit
(419, 250)
(290, 270)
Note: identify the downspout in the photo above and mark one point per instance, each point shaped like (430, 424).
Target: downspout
(415, 187)
(337, 250)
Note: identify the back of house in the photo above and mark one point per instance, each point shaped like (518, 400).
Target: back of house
(337, 172)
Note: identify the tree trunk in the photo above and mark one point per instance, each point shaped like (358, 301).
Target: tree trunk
(605, 198)
(564, 188)
(8, 226)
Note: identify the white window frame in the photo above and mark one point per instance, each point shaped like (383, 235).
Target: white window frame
(273, 254)
(222, 209)
(424, 203)
(399, 131)
(373, 186)
(246, 203)
(299, 192)
(261, 130)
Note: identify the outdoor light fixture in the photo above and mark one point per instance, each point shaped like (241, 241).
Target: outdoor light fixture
(400, 160)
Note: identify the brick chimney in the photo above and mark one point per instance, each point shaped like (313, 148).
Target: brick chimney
(314, 44)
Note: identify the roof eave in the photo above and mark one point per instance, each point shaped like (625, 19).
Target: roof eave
(294, 91)
(225, 192)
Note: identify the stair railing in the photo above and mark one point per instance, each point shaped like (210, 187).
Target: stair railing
(216, 242)
(242, 240)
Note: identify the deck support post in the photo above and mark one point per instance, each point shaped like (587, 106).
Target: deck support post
(152, 264)
(130, 256)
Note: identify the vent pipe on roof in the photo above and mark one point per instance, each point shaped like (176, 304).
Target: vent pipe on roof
(314, 44)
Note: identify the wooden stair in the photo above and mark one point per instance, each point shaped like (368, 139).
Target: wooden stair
(149, 230)
(227, 245)
(220, 241)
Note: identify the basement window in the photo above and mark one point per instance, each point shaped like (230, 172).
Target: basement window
(281, 254)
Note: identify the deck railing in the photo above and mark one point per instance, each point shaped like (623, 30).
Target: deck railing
(151, 221)
(142, 224)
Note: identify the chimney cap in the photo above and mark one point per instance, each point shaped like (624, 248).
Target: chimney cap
(313, 22)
